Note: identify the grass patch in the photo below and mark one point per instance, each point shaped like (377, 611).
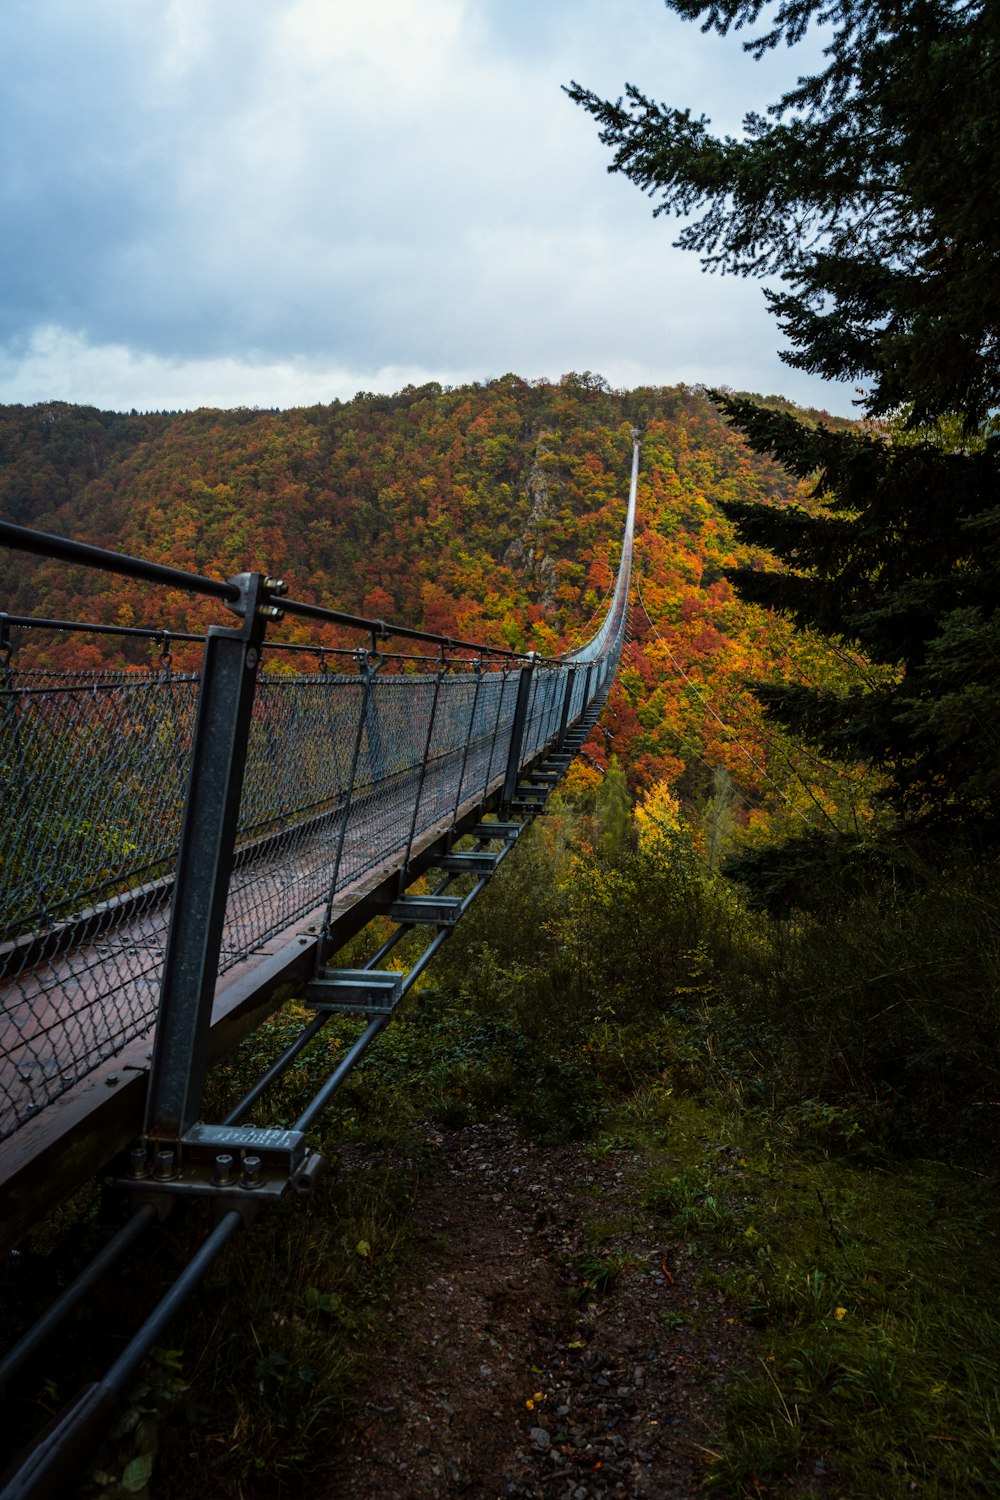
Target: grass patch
(624, 1008)
(875, 1292)
(597, 1273)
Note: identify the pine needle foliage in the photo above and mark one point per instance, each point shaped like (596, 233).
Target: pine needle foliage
(865, 188)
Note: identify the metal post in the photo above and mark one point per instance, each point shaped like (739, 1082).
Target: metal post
(204, 863)
(367, 671)
(477, 667)
(567, 700)
(517, 729)
(442, 667)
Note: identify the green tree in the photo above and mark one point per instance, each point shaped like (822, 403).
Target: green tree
(612, 811)
(866, 188)
(901, 561)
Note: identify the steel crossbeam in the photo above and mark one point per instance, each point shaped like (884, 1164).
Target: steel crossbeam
(469, 862)
(500, 830)
(375, 991)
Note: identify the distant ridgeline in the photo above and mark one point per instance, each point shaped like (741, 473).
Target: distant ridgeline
(491, 511)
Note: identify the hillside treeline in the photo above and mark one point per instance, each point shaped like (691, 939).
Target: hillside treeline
(491, 512)
(495, 512)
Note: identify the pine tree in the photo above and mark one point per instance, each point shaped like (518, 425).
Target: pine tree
(901, 561)
(868, 189)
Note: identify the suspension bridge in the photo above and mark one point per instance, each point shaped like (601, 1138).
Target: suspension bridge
(184, 850)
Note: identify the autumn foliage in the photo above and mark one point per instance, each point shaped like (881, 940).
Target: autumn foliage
(492, 511)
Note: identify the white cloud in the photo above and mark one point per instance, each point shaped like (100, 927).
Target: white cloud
(405, 51)
(186, 38)
(314, 193)
(56, 364)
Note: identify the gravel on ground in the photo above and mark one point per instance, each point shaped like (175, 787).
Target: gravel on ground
(547, 1343)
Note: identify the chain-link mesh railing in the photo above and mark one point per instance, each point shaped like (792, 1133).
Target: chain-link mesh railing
(93, 767)
(345, 773)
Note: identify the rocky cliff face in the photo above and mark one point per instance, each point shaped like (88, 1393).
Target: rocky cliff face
(526, 553)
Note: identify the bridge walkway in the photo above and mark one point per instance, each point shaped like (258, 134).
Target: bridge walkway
(184, 851)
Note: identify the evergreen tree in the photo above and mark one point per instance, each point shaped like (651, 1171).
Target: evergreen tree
(901, 561)
(868, 190)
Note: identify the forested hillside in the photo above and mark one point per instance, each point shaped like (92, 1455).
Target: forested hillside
(676, 1170)
(491, 511)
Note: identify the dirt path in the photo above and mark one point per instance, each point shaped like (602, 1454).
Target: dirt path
(511, 1370)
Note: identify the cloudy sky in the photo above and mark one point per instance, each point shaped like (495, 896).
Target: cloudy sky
(275, 202)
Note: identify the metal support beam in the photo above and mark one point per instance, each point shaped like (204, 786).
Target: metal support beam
(567, 701)
(204, 865)
(54, 1467)
(517, 730)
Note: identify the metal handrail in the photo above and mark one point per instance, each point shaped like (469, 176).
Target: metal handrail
(44, 544)
(63, 549)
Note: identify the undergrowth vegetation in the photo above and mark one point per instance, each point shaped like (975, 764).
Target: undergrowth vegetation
(874, 1292)
(814, 1104)
(261, 1365)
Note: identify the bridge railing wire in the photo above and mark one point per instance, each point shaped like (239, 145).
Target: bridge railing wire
(94, 768)
(95, 765)
(353, 755)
